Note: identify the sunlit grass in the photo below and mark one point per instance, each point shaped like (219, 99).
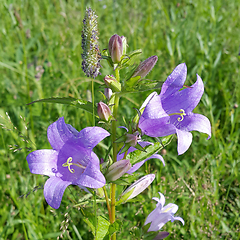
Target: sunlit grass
(204, 182)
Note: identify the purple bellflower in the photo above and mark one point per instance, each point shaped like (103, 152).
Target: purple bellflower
(71, 161)
(161, 215)
(170, 112)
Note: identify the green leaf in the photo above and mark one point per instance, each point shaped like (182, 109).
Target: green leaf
(131, 58)
(142, 85)
(138, 156)
(90, 220)
(79, 103)
(126, 179)
(102, 228)
(115, 227)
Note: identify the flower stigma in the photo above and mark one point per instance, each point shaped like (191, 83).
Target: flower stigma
(69, 163)
(181, 114)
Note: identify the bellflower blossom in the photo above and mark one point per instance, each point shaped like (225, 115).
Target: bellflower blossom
(71, 161)
(161, 215)
(171, 111)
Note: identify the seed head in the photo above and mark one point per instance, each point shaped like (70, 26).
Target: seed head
(91, 55)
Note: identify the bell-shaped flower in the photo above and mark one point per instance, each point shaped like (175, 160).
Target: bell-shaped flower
(161, 215)
(71, 161)
(171, 111)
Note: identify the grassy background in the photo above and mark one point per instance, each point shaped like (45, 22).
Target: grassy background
(204, 182)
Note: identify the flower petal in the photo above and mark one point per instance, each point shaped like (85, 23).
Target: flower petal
(184, 141)
(174, 81)
(91, 136)
(147, 100)
(91, 177)
(177, 218)
(186, 99)
(59, 133)
(53, 191)
(160, 200)
(196, 122)
(136, 166)
(43, 162)
(157, 219)
(153, 109)
(170, 208)
(157, 127)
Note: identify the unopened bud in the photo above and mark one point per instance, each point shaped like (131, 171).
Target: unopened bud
(131, 139)
(137, 187)
(104, 112)
(115, 48)
(117, 169)
(112, 83)
(145, 67)
(124, 43)
(108, 93)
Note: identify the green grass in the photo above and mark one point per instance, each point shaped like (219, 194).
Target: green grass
(204, 182)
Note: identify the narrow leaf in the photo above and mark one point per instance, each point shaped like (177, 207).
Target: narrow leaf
(79, 103)
(138, 156)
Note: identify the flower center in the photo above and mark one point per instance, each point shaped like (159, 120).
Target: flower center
(69, 163)
(181, 114)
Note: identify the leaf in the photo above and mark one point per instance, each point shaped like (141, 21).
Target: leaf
(143, 85)
(131, 58)
(115, 227)
(102, 228)
(138, 156)
(90, 220)
(126, 179)
(79, 103)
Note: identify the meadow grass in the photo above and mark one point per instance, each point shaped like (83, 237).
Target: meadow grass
(204, 182)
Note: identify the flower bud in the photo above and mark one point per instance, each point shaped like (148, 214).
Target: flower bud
(124, 43)
(145, 67)
(137, 187)
(131, 139)
(104, 112)
(117, 169)
(112, 83)
(115, 48)
(108, 93)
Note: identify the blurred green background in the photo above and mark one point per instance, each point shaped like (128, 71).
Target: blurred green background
(40, 57)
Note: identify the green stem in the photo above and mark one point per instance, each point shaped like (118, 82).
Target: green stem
(95, 211)
(93, 102)
(108, 204)
(114, 144)
(125, 155)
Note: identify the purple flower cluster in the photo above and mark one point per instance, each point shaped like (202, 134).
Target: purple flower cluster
(72, 160)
